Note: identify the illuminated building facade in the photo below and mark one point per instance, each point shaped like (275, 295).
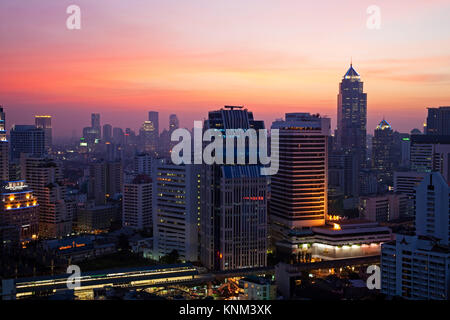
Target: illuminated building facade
(44, 176)
(149, 137)
(339, 239)
(233, 222)
(383, 155)
(19, 208)
(177, 200)
(299, 189)
(352, 119)
(236, 237)
(137, 203)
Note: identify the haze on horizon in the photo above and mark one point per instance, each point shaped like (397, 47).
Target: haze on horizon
(188, 58)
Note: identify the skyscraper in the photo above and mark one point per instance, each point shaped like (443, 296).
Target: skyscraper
(234, 198)
(177, 205)
(95, 124)
(299, 189)
(44, 176)
(383, 155)
(137, 203)
(438, 121)
(173, 122)
(143, 164)
(27, 139)
(431, 153)
(149, 137)
(4, 148)
(2, 125)
(107, 133)
(105, 180)
(153, 117)
(45, 123)
(352, 118)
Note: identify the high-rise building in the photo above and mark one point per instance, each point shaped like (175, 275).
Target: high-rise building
(153, 117)
(433, 208)
(143, 164)
(26, 139)
(105, 180)
(2, 125)
(415, 268)
(137, 203)
(19, 208)
(118, 136)
(431, 153)
(352, 118)
(438, 121)
(383, 153)
(4, 148)
(177, 209)
(107, 133)
(44, 176)
(149, 137)
(418, 267)
(234, 199)
(45, 123)
(173, 122)
(406, 182)
(299, 189)
(95, 124)
(405, 147)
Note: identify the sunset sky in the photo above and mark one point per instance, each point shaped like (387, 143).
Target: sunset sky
(188, 57)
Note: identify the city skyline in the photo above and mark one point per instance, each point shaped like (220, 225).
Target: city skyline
(127, 60)
(189, 152)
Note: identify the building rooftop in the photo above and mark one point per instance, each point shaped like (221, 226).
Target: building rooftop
(351, 73)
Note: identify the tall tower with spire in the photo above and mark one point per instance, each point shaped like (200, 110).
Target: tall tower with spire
(352, 118)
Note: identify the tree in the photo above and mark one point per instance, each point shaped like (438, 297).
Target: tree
(171, 258)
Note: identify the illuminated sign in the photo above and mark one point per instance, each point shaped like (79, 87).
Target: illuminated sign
(253, 198)
(74, 245)
(16, 185)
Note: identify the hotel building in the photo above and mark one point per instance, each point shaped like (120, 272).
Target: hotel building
(299, 190)
(19, 208)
